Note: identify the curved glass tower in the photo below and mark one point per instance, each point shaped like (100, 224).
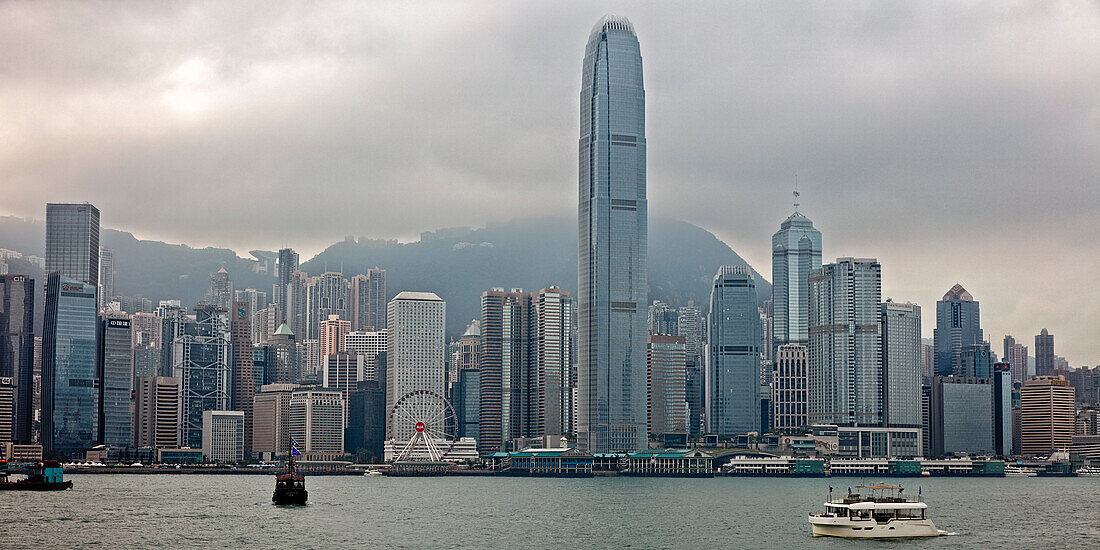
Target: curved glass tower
(613, 290)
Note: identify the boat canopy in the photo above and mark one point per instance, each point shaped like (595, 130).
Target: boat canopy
(867, 505)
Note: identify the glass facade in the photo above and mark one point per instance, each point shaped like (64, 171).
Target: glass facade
(72, 241)
(845, 365)
(901, 370)
(200, 359)
(963, 416)
(17, 349)
(958, 324)
(115, 381)
(733, 354)
(612, 223)
(70, 392)
(796, 251)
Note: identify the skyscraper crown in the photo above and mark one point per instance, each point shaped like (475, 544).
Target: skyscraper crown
(959, 293)
(613, 23)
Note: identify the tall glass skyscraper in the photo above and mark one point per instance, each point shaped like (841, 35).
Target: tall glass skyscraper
(70, 398)
(796, 250)
(17, 349)
(901, 374)
(72, 241)
(845, 346)
(733, 354)
(958, 324)
(612, 224)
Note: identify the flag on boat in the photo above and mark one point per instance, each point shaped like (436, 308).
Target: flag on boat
(294, 448)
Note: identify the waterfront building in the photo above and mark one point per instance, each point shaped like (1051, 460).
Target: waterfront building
(366, 429)
(1016, 355)
(416, 349)
(368, 300)
(221, 290)
(872, 441)
(566, 461)
(958, 324)
(371, 345)
(689, 462)
(287, 265)
(1047, 415)
(1002, 409)
(694, 392)
(961, 418)
(1044, 353)
(223, 436)
(665, 384)
(271, 419)
(70, 398)
(326, 294)
(550, 378)
(466, 400)
(733, 354)
(901, 371)
(242, 369)
(316, 422)
(845, 347)
(333, 331)
(796, 251)
(612, 246)
(7, 409)
(504, 357)
(789, 388)
(17, 344)
(72, 242)
(115, 376)
(201, 360)
(156, 412)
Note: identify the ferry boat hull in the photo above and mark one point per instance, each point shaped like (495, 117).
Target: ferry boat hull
(869, 529)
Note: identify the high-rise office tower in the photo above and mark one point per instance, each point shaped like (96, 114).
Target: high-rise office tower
(271, 419)
(662, 318)
(156, 412)
(221, 290)
(789, 388)
(1047, 415)
(368, 300)
(284, 369)
(287, 265)
(326, 295)
(469, 349)
(466, 399)
(689, 324)
(371, 345)
(115, 366)
(505, 354)
(961, 416)
(223, 436)
(901, 357)
(666, 367)
(549, 379)
(70, 398)
(201, 360)
(845, 374)
(72, 241)
(242, 374)
(1002, 409)
(264, 323)
(332, 333)
(296, 303)
(366, 431)
(257, 300)
(1044, 353)
(1016, 356)
(7, 409)
(975, 361)
(17, 350)
(317, 422)
(106, 275)
(958, 324)
(927, 359)
(342, 371)
(796, 251)
(416, 349)
(733, 354)
(612, 220)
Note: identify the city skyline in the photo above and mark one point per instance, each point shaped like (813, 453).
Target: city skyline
(1000, 118)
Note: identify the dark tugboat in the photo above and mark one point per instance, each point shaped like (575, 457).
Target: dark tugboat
(44, 475)
(290, 488)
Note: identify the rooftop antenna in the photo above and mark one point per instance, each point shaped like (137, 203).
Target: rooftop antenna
(796, 193)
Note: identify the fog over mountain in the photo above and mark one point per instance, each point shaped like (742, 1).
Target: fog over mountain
(456, 263)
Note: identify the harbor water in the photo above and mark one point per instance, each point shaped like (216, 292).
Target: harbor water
(189, 511)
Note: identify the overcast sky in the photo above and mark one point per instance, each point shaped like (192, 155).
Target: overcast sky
(956, 142)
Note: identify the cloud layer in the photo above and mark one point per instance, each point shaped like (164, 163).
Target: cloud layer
(956, 143)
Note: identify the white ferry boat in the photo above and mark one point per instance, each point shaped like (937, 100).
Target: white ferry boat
(1089, 471)
(1016, 471)
(883, 513)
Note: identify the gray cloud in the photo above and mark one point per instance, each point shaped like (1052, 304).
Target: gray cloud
(954, 142)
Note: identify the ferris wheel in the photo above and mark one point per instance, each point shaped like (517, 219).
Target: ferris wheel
(427, 420)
